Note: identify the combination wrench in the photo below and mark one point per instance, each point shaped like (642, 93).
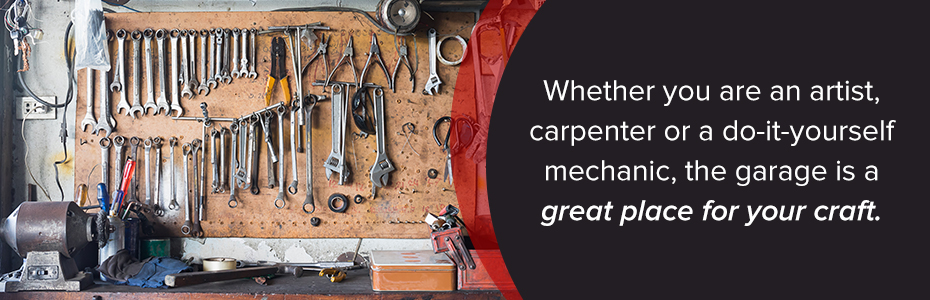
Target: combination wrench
(214, 135)
(105, 144)
(119, 82)
(106, 122)
(136, 74)
(224, 62)
(162, 100)
(252, 181)
(432, 84)
(148, 170)
(192, 40)
(223, 132)
(281, 109)
(89, 117)
(214, 65)
(309, 160)
(134, 183)
(204, 86)
(381, 170)
(235, 53)
(266, 124)
(175, 106)
(233, 165)
(292, 188)
(196, 230)
(118, 142)
(156, 203)
(149, 79)
(244, 61)
(172, 143)
(186, 76)
(186, 228)
(252, 74)
(336, 162)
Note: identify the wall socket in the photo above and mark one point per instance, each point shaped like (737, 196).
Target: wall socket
(39, 112)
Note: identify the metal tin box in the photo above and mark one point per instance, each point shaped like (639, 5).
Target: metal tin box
(418, 270)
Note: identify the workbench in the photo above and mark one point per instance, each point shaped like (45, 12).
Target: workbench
(357, 285)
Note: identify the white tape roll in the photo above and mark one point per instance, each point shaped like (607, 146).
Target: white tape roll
(439, 52)
(219, 264)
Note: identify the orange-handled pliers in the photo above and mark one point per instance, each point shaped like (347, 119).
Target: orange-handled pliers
(278, 71)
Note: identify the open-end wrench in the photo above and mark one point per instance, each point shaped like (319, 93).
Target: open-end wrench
(381, 170)
(192, 58)
(214, 135)
(89, 117)
(252, 74)
(240, 173)
(105, 144)
(244, 61)
(223, 132)
(266, 123)
(148, 33)
(175, 106)
(134, 183)
(172, 143)
(433, 82)
(186, 228)
(118, 142)
(162, 100)
(292, 188)
(233, 164)
(156, 203)
(312, 99)
(204, 86)
(106, 122)
(235, 53)
(224, 70)
(148, 170)
(186, 75)
(136, 74)
(280, 201)
(335, 163)
(196, 230)
(252, 181)
(216, 47)
(119, 82)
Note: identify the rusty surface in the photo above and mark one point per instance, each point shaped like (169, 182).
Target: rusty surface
(256, 215)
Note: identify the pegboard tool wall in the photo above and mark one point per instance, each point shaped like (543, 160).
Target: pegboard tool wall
(408, 198)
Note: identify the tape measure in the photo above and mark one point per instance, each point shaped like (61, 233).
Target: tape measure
(399, 15)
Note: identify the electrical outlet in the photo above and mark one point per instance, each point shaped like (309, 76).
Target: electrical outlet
(39, 112)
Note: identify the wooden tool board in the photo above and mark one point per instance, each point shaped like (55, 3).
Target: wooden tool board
(407, 199)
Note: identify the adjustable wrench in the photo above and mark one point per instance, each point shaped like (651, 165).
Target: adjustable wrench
(224, 62)
(309, 160)
(204, 85)
(252, 181)
(172, 143)
(214, 135)
(106, 122)
(187, 76)
(196, 230)
(295, 105)
(281, 109)
(233, 164)
(156, 142)
(105, 161)
(134, 183)
(175, 81)
(381, 170)
(136, 74)
(162, 100)
(244, 62)
(119, 83)
(186, 228)
(336, 162)
(89, 117)
(240, 173)
(223, 132)
(432, 84)
(149, 78)
(252, 73)
(266, 125)
(148, 170)
(235, 53)
(192, 37)
(118, 142)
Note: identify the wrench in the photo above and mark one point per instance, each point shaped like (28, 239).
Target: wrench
(172, 143)
(192, 37)
(309, 161)
(233, 164)
(148, 170)
(186, 77)
(223, 132)
(89, 117)
(432, 84)
(244, 62)
(149, 78)
(381, 170)
(156, 142)
(241, 175)
(106, 122)
(281, 109)
(186, 228)
(215, 47)
(118, 142)
(336, 162)
(224, 74)
(120, 78)
(196, 230)
(295, 105)
(252, 182)
(266, 123)
(252, 73)
(235, 52)
(105, 161)
(162, 100)
(204, 84)
(175, 105)
(136, 74)
(214, 135)
(134, 183)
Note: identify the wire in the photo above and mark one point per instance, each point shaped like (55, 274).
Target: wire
(346, 9)
(120, 5)
(22, 131)
(68, 59)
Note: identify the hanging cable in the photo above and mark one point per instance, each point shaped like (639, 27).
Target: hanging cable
(346, 9)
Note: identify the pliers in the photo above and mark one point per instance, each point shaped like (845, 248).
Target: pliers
(375, 51)
(402, 55)
(347, 53)
(278, 70)
(321, 50)
(447, 174)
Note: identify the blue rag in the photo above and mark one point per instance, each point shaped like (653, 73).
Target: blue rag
(154, 271)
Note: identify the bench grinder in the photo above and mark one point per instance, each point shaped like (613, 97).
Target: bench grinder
(46, 234)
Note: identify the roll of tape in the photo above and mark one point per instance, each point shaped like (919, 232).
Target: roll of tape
(443, 59)
(219, 264)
